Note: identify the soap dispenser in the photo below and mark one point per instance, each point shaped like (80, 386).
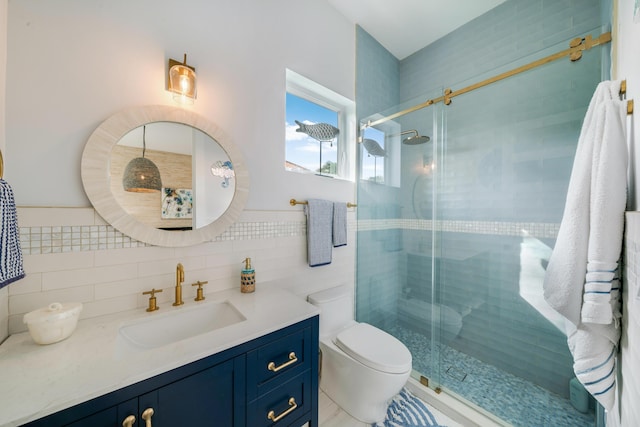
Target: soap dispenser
(247, 278)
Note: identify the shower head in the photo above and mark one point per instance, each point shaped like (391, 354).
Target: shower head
(416, 139)
(373, 148)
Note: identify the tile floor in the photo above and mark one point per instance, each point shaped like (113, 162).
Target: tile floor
(331, 415)
(512, 399)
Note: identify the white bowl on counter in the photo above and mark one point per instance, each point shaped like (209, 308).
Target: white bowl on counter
(53, 323)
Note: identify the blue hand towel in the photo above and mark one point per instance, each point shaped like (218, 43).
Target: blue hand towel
(319, 231)
(339, 224)
(11, 268)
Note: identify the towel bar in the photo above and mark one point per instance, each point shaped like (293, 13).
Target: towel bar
(294, 202)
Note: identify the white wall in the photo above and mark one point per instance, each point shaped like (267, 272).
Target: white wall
(73, 63)
(627, 66)
(629, 359)
(4, 292)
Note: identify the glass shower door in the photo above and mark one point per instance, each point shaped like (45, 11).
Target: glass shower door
(504, 166)
(454, 236)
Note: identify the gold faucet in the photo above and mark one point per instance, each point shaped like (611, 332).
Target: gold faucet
(179, 280)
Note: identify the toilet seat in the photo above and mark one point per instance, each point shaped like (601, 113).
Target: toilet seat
(374, 348)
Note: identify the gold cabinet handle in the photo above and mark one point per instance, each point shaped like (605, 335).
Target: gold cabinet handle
(129, 421)
(146, 416)
(292, 359)
(292, 407)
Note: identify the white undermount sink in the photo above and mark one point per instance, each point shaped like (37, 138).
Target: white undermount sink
(176, 324)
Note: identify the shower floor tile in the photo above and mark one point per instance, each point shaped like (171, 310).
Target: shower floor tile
(510, 398)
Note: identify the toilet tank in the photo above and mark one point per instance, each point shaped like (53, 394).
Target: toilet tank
(336, 305)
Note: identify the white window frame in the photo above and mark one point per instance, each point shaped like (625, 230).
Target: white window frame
(311, 91)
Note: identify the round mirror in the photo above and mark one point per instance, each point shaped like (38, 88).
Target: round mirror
(164, 176)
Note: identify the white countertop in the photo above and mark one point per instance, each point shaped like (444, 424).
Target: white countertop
(38, 380)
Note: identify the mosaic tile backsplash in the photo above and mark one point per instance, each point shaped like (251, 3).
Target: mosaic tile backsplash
(43, 240)
(59, 239)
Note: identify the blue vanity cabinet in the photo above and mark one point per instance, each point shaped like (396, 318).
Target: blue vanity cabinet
(210, 396)
(237, 387)
(282, 380)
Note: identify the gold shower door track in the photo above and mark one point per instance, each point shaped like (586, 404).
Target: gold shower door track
(576, 47)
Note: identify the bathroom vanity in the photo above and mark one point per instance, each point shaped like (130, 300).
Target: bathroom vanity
(261, 370)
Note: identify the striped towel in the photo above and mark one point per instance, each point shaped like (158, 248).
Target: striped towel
(582, 279)
(406, 410)
(11, 268)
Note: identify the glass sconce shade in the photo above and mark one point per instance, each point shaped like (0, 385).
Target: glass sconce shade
(141, 176)
(182, 80)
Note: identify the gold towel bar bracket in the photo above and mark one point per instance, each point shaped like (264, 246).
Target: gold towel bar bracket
(1, 165)
(294, 202)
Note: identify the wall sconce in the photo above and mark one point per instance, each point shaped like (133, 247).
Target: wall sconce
(182, 81)
(142, 175)
(223, 170)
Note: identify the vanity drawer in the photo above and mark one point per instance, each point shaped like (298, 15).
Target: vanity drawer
(286, 403)
(278, 361)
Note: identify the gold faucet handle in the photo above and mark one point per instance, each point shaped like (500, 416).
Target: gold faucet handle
(199, 293)
(153, 306)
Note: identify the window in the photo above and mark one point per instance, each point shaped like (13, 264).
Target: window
(380, 152)
(319, 129)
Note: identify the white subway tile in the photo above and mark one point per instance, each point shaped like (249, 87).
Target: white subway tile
(56, 262)
(32, 282)
(109, 306)
(121, 288)
(89, 276)
(27, 302)
(139, 254)
(29, 217)
(15, 324)
(4, 313)
(208, 248)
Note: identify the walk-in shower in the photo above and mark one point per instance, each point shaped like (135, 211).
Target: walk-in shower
(454, 235)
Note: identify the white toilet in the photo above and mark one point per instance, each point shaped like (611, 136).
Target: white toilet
(363, 367)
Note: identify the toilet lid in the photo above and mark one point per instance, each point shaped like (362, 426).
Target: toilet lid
(375, 348)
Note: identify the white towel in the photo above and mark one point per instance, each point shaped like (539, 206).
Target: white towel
(11, 268)
(319, 231)
(339, 224)
(594, 356)
(584, 262)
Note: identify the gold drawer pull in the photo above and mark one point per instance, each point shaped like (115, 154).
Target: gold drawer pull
(292, 359)
(292, 407)
(146, 416)
(129, 421)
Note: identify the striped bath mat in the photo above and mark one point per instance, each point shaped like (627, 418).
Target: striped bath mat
(406, 410)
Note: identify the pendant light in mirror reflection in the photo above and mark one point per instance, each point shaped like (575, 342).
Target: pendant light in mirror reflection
(223, 170)
(182, 81)
(142, 175)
